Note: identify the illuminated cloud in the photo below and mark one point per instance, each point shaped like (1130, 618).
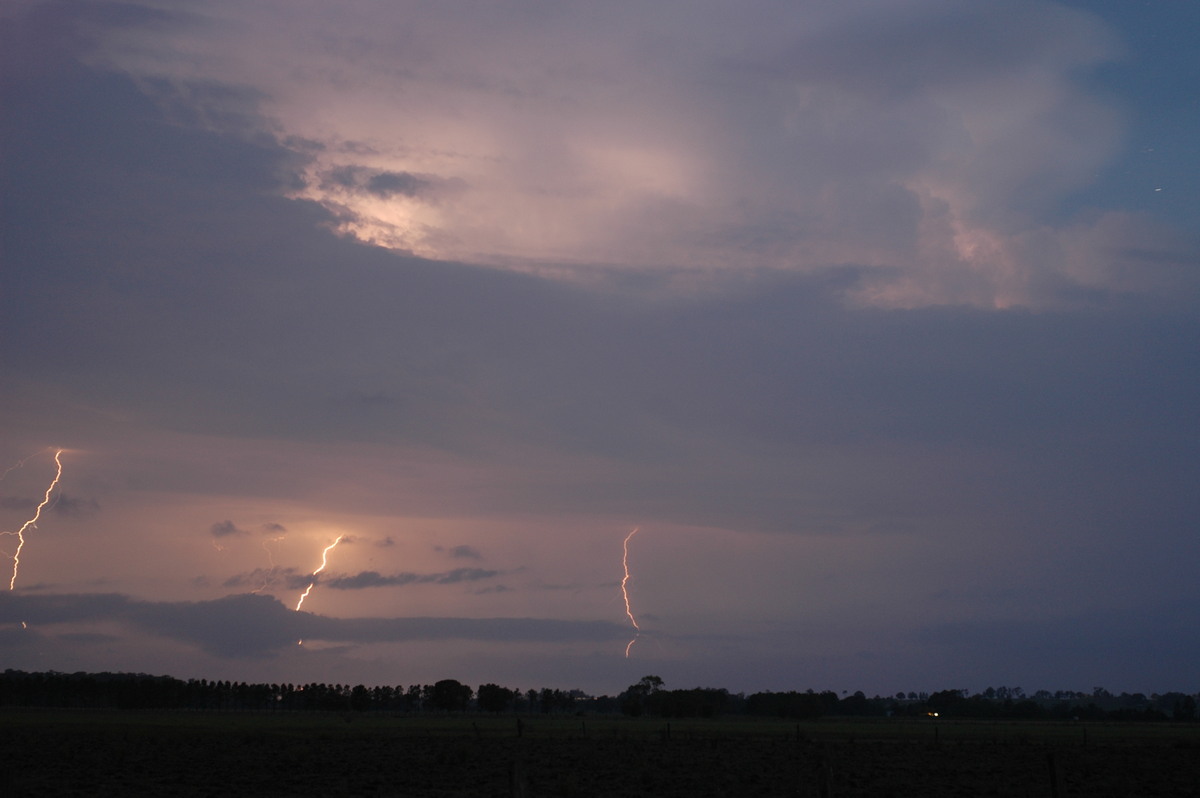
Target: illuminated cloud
(928, 144)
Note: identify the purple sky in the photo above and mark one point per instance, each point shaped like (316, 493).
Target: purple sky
(877, 318)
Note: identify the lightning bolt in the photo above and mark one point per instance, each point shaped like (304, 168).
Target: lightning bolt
(32, 522)
(270, 575)
(19, 464)
(625, 590)
(324, 562)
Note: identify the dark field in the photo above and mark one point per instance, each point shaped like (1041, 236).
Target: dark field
(58, 753)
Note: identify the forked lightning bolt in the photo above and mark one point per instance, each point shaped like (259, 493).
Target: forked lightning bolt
(625, 591)
(324, 562)
(32, 522)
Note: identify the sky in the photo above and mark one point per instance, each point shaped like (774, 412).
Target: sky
(877, 320)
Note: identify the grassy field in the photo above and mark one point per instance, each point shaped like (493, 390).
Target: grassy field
(49, 753)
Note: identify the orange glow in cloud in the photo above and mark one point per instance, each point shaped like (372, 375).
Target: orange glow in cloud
(625, 590)
(324, 562)
(32, 522)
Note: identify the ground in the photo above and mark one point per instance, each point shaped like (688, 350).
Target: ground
(48, 753)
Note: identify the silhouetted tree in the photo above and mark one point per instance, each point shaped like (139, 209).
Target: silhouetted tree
(360, 698)
(945, 701)
(856, 704)
(494, 698)
(635, 699)
(451, 695)
(792, 704)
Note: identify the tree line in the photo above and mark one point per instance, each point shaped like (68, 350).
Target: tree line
(143, 691)
(647, 697)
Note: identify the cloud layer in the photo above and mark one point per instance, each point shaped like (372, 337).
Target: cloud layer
(929, 144)
(251, 625)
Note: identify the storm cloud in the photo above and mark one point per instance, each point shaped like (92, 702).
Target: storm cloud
(877, 318)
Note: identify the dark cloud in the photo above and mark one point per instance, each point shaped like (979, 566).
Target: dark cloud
(365, 579)
(225, 529)
(464, 575)
(91, 607)
(944, 45)
(386, 184)
(299, 581)
(1114, 645)
(261, 577)
(253, 625)
(273, 528)
(48, 33)
(462, 552)
(373, 181)
(246, 625)
(66, 505)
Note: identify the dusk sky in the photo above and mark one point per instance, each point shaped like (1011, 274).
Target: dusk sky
(878, 319)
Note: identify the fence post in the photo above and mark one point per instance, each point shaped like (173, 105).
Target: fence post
(1056, 785)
